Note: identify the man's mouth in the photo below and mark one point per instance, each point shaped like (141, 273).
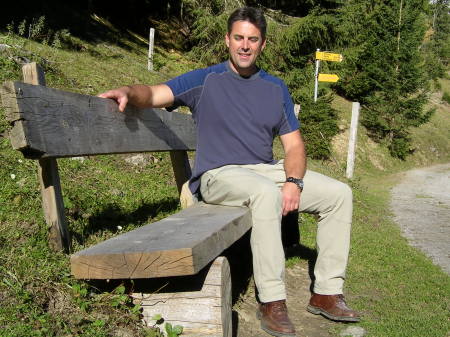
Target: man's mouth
(244, 55)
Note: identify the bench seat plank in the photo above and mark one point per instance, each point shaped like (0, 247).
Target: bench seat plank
(54, 123)
(181, 244)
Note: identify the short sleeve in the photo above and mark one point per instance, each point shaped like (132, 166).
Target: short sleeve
(186, 88)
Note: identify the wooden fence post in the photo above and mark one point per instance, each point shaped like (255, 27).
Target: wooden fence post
(150, 49)
(181, 167)
(52, 201)
(352, 140)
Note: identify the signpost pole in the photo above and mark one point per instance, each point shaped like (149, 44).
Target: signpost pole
(352, 140)
(316, 76)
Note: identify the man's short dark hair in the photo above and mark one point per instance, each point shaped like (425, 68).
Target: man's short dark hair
(251, 14)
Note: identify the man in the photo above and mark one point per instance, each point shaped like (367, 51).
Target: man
(238, 110)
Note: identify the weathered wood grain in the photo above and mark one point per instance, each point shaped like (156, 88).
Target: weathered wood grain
(57, 123)
(202, 312)
(52, 200)
(181, 244)
(181, 167)
(9, 101)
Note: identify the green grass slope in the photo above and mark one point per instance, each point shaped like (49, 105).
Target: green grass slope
(399, 290)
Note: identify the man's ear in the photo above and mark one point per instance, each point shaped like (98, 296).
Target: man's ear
(263, 45)
(227, 40)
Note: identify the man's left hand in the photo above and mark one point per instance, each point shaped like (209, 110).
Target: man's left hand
(290, 194)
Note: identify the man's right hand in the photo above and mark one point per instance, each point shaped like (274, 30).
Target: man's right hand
(120, 95)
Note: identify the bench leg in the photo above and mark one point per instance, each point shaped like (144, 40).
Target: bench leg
(201, 304)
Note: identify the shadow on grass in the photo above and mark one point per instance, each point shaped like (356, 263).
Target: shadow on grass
(112, 216)
(304, 253)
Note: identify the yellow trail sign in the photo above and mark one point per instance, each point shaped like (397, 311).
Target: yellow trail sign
(321, 55)
(328, 78)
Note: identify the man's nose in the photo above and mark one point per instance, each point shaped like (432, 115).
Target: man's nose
(245, 44)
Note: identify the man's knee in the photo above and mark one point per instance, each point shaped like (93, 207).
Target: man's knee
(341, 199)
(344, 192)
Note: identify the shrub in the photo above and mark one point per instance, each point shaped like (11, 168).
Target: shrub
(446, 97)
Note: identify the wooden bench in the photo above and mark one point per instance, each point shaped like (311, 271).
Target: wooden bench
(48, 124)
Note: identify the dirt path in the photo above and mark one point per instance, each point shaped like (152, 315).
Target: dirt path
(298, 283)
(421, 204)
(306, 324)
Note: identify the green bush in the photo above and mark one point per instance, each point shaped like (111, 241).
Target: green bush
(319, 127)
(38, 30)
(446, 97)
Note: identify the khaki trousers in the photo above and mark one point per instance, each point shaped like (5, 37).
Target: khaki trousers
(258, 187)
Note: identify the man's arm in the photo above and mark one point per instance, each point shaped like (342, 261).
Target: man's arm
(141, 96)
(294, 166)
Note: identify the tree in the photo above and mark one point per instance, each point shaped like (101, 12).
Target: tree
(437, 47)
(385, 68)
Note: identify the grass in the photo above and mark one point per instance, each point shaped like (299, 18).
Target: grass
(399, 290)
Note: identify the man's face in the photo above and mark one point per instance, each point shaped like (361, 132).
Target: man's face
(244, 43)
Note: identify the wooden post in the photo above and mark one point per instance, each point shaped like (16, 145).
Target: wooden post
(182, 172)
(297, 109)
(201, 304)
(150, 49)
(352, 140)
(181, 167)
(52, 201)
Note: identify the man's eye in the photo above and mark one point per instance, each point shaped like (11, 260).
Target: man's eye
(254, 39)
(238, 38)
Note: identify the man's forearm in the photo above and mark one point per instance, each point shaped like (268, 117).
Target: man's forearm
(295, 162)
(139, 95)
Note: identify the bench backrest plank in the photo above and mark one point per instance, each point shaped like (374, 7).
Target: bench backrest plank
(55, 123)
(181, 244)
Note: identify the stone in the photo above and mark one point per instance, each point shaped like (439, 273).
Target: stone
(353, 331)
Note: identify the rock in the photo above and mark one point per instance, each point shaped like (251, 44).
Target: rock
(123, 332)
(141, 159)
(117, 192)
(353, 331)
(136, 159)
(80, 159)
(21, 182)
(4, 47)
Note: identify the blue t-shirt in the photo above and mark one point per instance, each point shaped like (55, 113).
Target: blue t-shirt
(237, 118)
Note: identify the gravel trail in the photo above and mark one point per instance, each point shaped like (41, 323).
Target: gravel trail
(421, 205)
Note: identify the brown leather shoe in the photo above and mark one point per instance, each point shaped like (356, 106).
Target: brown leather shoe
(275, 320)
(332, 307)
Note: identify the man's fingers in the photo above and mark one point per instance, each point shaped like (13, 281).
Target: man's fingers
(122, 103)
(108, 94)
(118, 96)
(289, 206)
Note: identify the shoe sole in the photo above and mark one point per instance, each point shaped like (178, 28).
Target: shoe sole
(318, 311)
(271, 332)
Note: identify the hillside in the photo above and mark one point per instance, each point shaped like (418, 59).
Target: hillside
(399, 290)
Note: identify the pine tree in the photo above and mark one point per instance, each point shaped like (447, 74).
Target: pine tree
(437, 48)
(385, 68)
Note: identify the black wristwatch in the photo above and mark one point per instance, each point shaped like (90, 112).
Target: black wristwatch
(296, 181)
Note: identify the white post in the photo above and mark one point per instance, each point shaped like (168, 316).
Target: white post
(352, 140)
(316, 76)
(297, 109)
(150, 49)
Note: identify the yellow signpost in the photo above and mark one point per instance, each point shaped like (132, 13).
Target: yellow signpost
(328, 78)
(324, 56)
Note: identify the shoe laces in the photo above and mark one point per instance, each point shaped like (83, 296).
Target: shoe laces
(341, 297)
(279, 307)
